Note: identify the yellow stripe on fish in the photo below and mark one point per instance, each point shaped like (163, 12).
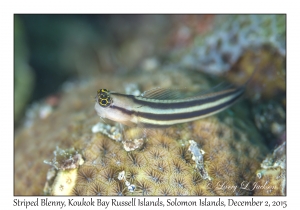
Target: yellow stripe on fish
(162, 107)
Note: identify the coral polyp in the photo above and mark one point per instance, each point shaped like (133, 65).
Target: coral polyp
(177, 160)
(215, 155)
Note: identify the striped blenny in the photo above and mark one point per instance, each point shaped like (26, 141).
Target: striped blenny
(162, 107)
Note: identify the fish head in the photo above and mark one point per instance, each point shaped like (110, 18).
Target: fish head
(105, 106)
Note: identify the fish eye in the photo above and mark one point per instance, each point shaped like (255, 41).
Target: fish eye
(104, 99)
(105, 102)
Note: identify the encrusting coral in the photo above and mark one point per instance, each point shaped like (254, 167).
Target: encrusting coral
(217, 155)
(231, 37)
(240, 45)
(167, 163)
(271, 178)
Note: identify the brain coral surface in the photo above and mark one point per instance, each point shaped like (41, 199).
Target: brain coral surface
(91, 163)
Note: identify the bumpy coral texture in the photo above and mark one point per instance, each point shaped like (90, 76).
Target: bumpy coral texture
(232, 35)
(233, 148)
(163, 166)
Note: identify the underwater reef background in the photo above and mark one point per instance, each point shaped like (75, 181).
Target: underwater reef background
(62, 147)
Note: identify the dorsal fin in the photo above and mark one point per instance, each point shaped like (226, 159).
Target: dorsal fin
(163, 93)
(169, 94)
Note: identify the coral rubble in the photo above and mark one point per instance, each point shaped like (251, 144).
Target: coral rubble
(167, 163)
(225, 154)
(271, 178)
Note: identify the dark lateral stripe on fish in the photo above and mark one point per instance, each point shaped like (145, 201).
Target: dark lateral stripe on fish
(185, 115)
(178, 104)
(125, 111)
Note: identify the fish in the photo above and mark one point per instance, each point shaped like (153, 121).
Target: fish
(162, 106)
